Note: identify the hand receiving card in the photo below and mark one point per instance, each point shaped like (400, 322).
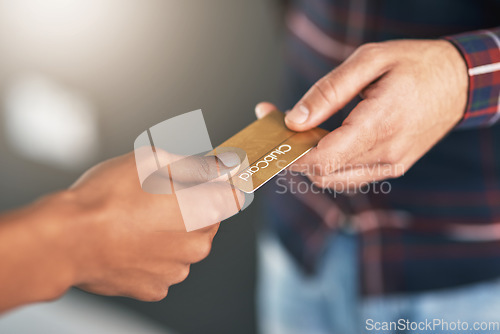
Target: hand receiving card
(270, 147)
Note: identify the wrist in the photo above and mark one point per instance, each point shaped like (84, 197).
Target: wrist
(36, 252)
(459, 77)
(57, 234)
(78, 225)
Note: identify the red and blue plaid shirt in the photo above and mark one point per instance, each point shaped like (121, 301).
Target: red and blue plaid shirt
(439, 226)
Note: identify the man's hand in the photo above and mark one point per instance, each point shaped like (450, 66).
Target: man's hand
(414, 93)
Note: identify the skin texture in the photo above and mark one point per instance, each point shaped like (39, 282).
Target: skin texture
(107, 236)
(414, 92)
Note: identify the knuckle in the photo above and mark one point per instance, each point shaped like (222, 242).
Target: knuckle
(153, 293)
(367, 136)
(386, 129)
(203, 169)
(326, 90)
(182, 274)
(201, 249)
(376, 54)
(370, 49)
(393, 156)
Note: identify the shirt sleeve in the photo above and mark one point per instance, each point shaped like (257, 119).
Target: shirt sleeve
(481, 51)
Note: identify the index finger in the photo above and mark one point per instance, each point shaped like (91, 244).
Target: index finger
(341, 146)
(190, 171)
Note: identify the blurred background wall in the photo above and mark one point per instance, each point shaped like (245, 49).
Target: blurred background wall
(80, 79)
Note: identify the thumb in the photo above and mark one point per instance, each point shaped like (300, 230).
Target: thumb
(332, 92)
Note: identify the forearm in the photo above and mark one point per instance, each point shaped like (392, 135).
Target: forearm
(35, 253)
(105, 235)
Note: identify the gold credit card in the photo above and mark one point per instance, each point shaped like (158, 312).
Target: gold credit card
(270, 147)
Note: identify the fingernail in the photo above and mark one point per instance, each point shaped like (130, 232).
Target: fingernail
(229, 159)
(298, 115)
(258, 111)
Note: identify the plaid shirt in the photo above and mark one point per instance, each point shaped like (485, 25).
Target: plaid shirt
(439, 226)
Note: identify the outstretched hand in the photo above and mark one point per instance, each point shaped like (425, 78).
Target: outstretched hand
(414, 93)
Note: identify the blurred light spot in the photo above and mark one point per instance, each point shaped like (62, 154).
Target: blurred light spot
(49, 123)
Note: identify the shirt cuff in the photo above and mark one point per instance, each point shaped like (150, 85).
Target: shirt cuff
(481, 51)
